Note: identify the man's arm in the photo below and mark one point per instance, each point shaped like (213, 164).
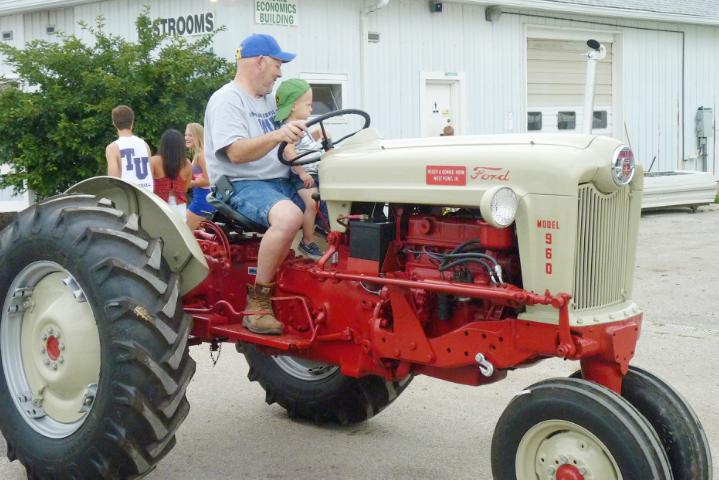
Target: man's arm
(112, 154)
(245, 150)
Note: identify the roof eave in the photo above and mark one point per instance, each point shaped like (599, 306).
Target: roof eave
(597, 11)
(35, 5)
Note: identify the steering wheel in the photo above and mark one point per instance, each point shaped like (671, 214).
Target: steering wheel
(326, 144)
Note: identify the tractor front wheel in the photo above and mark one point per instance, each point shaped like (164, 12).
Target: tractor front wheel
(564, 429)
(93, 343)
(319, 392)
(674, 420)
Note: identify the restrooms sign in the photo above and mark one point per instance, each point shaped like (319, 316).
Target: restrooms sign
(191, 24)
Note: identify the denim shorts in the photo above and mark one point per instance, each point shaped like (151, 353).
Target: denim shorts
(255, 198)
(298, 184)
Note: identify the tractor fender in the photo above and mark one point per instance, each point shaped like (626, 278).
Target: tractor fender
(181, 251)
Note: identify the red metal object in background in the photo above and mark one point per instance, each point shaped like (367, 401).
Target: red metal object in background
(372, 319)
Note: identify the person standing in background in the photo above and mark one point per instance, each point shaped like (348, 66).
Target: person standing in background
(172, 172)
(128, 157)
(199, 209)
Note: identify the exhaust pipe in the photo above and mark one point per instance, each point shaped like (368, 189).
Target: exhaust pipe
(597, 52)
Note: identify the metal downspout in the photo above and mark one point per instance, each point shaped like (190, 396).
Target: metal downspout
(377, 5)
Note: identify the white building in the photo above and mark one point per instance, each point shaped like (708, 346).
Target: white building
(480, 66)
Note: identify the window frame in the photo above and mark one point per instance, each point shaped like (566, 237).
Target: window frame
(339, 79)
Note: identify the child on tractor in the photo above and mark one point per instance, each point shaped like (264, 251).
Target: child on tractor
(294, 102)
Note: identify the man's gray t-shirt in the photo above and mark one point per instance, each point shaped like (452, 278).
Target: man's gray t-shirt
(232, 114)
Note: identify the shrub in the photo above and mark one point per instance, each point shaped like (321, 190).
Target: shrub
(55, 117)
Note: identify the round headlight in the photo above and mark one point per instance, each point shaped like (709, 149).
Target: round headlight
(623, 166)
(499, 206)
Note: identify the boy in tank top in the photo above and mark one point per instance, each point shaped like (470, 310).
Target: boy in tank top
(128, 157)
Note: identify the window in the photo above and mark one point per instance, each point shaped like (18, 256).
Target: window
(534, 121)
(7, 36)
(600, 119)
(329, 92)
(326, 97)
(566, 120)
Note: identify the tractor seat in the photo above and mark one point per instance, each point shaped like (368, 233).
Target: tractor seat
(220, 193)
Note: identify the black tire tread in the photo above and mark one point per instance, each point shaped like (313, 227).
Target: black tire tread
(147, 392)
(674, 420)
(341, 399)
(692, 460)
(640, 434)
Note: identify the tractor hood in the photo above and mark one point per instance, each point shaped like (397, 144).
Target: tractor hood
(457, 170)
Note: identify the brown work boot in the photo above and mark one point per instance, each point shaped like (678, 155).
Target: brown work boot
(262, 319)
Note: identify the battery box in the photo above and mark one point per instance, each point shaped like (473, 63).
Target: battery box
(369, 241)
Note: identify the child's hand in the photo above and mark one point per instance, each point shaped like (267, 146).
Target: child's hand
(307, 179)
(317, 135)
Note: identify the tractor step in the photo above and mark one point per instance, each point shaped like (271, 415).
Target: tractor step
(237, 333)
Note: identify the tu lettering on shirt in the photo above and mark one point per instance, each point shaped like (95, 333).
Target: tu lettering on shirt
(140, 165)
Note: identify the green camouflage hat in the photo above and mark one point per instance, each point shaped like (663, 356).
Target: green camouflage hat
(287, 94)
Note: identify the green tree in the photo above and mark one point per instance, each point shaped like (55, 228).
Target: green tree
(55, 117)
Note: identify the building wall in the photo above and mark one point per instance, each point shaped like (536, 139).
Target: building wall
(664, 71)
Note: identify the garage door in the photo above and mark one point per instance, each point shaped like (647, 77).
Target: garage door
(556, 71)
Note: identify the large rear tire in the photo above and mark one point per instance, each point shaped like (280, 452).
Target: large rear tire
(571, 428)
(319, 392)
(93, 343)
(674, 420)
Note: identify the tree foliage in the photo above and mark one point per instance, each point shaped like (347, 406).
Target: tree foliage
(55, 116)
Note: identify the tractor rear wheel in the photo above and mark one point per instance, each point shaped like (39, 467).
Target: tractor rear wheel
(319, 392)
(93, 343)
(569, 429)
(678, 427)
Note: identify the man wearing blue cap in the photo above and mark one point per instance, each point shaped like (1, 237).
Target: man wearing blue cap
(241, 143)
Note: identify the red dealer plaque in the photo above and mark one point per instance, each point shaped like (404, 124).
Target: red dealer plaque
(446, 175)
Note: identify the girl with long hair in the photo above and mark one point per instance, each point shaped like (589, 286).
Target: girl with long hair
(199, 208)
(172, 172)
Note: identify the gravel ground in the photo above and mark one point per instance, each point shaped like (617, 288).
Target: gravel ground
(442, 430)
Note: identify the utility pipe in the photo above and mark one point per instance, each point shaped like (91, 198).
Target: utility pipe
(597, 52)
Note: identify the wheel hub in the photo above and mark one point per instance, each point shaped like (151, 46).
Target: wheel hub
(568, 472)
(303, 369)
(562, 450)
(50, 349)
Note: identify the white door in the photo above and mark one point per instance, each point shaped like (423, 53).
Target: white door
(441, 108)
(652, 104)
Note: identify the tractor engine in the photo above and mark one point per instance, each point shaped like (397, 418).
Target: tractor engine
(440, 244)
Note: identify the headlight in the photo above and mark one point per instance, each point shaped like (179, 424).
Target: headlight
(623, 166)
(499, 206)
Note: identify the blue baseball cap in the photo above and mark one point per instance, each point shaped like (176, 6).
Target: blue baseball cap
(260, 44)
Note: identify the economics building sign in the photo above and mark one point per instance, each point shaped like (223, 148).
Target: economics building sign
(276, 12)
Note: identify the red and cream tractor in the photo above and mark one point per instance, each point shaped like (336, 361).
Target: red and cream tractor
(460, 258)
